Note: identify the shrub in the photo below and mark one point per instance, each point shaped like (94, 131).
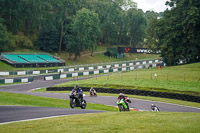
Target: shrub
(108, 53)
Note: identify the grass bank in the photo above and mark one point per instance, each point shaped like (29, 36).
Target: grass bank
(28, 100)
(183, 79)
(111, 122)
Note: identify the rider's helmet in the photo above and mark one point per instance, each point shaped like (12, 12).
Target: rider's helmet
(121, 94)
(76, 86)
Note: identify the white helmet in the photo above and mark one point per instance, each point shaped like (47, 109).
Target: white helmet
(121, 94)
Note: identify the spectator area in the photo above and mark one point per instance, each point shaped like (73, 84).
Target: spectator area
(37, 60)
(47, 58)
(15, 58)
(32, 58)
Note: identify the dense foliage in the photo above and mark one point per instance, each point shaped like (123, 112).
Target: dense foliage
(77, 25)
(177, 34)
(71, 25)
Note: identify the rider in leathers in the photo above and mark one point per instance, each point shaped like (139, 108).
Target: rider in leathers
(121, 96)
(79, 92)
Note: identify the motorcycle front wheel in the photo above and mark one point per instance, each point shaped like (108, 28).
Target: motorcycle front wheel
(83, 106)
(72, 103)
(121, 108)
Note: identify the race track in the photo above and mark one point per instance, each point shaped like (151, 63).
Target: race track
(10, 114)
(141, 105)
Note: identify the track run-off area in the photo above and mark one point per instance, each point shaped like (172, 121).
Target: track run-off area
(10, 114)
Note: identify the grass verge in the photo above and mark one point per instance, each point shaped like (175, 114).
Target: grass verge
(182, 79)
(111, 122)
(27, 100)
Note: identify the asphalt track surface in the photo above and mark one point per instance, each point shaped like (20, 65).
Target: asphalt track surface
(17, 113)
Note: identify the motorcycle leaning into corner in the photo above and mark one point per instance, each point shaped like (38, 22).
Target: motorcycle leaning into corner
(93, 92)
(75, 101)
(122, 103)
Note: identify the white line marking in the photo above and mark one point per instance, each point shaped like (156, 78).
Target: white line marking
(42, 118)
(14, 84)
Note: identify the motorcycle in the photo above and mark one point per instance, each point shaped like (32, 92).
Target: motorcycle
(93, 93)
(75, 101)
(122, 105)
(155, 108)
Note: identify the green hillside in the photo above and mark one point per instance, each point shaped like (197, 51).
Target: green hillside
(181, 79)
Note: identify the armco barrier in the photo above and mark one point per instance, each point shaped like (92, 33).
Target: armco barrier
(16, 80)
(135, 92)
(95, 72)
(85, 67)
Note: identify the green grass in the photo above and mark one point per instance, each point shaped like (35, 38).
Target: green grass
(111, 122)
(27, 100)
(1, 84)
(179, 79)
(100, 58)
(4, 66)
(173, 101)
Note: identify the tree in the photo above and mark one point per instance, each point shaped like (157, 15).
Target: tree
(86, 31)
(137, 25)
(152, 18)
(4, 37)
(177, 33)
(48, 39)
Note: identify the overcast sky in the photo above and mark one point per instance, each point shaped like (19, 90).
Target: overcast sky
(155, 5)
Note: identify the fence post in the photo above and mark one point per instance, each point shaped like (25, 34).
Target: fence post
(167, 76)
(184, 76)
(136, 75)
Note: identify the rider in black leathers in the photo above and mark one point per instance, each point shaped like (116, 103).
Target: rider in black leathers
(79, 92)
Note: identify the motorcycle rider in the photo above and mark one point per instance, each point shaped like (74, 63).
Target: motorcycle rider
(79, 92)
(92, 91)
(154, 108)
(121, 96)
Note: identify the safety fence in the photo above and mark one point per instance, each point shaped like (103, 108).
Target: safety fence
(101, 71)
(76, 74)
(80, 71)
(81, 67)
(16, 80)
(134, 92)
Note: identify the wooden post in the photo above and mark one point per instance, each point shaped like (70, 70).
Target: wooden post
(167, 76)
(184, 76)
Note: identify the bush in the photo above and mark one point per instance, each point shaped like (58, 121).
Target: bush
(108, 53)
(23, 42)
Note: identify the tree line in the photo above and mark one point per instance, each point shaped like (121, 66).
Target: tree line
(177, 34)
(70, 25)
(77, 25)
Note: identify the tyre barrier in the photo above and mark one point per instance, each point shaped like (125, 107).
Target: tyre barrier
(177, 96)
